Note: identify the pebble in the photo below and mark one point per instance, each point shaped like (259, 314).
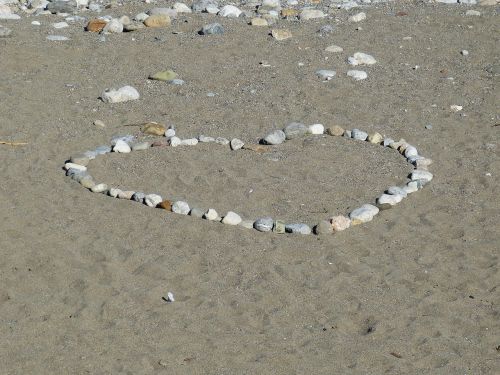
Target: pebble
(264, 224)
(464, 52)
(141, 146)
(126, 194)
(75, 166)
(396, 190)
(211, 214)
(279, 227)
(309, 14)
(189, 142)
(153, 200)
(375, 138)
(205, 139)
(170, 297)
(471, 12)
(357, 17)
(323, 227)
(316, 129)
(174, 141)
(167, 75)
(295, 130)
(113, 192)
(123, 94)
(96, 25)
(428, 127)
(180, 207)
(456, 108)
(166, 205)
(289, 13)
(99, 123)
(326, 75)
(57, 38)
(363, 214)
(275, 138)
(359, 134)
(247, 224)
(60, 25)
(222, 141)
(358, 75)
(100, 188)
(360, 58)
(281, 34)
(386, 201)
(87, 182)
(334, 49)
(424, 162)
(259, 21)
(153, 128)
(113, 26)
(335, 130)
(121, 147)
(212, 29)
(298, 228)
(387, 142)
(347, 134)
(170, 132)
(181, 8)
(158, 20)
(141, 17)
(419, 174)
(410, 151)
(231, 218)
(229, 11)
(340, 223)
(412, 187)
(196, 212)
(236, 144)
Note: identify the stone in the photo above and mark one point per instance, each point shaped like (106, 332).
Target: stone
(326, 29)
(275, 138)
(122, 147)
(323, 227)
(153, 128)
(360, 58)
(61, 6)
(359, 134)
(471, 12)
(57, 38)
(181, 8)
(100, 188)
(203, 5)
(123, 94)
(91, 155)
(229, 11)
(279, 227)
(158, 20)
(358, 75)
(205, 139)
(456, 108)
(422, 163)
(189, 142)
(410, 151)
(180, 207)
(211, 214)
(295, 130)
(335, 131)
(334, 49)
(222, 141)
(133, 26)
(396, 190)
(236, 144)
(247, 224)
(412, 187)
(113, 192)
(87, 182)
(316, 129)
(127, 194)
(386, 201)
(259, 21)
(289, 13)
(125, 138)
(170, 132)
(387, 142)
(166, 205)
(340, 223)
(76, 167)
(419, 174)
(357, 17)
(231, 218)
(325, 74)
(347, 134)
(170, 12)
(212, 29)
(309, 14)
(60, 25)
(167, 75)
(298, 228)
(113, 26)
(281, 34)
(264, 224)
(153, 200)
(375, 138)
(363, 214)
(464, 52)
(96, 25)
(141, 146)
(80, 159)
(99, 123)
(196, 212)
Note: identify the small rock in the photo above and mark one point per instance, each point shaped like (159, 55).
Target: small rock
(279, 227)
(275, 138)
(99, 123)
(423, 162)
(128, 194)
(471, 12)
(133, 26)
(196, 212)
(264, 224)
(357, 17)
(96, 25)
(76, 167)
(428, 127)
(123, 94)
(359, 134)
(323, 227)
(212, 29)
(153, 128)
(170, 297)
(236, 144)
(87, 182)
(211, 215)
(167, 75)
(360, 58)
(375, 138)
(113, 192)
(122, 147)
(152, 200)
(189, 142)
(60, 25)
(298, 228)
(281, 34)
(289, 13)
(247, 224)
(309, 14)
(316, 129)
(158, 20)
(229, 11)
(295, 130)
(464, 52)
(358, 75)
(180, 207)
(347, 134)
(335, 130)
(259, 21)
(166, 205)
(170, 132)
(396, 190)
(456, 108)
(57, 38)
(100, 188)
(340, 223)
(326, 75)
(222, 141)
(231, 218)
(419, 174)
(113, 26)
(386, 201)
(141, 146)
(410, 151)
(205, 139)
(334, 49)
(363, 214)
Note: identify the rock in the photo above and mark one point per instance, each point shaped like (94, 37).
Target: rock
(264, 224)
(167, 75)
(464, 52)
(170, 12)
(231, 218)
(76, 167)
(295, 130)
(229, 11)
(196, 212)
(189, 142)
(205, 139)
(422, 163)
(412, 187)
(316, 129)
(222, 141)
(298, 228)
(418, 174)
(386, 201)
(363, 214)
(170, 132)
(334, 49)
(247, 224)
(96, 25)
(471, 12)
(326, 75)
(141, 146)
(153, 128)
(87, 182)
(281, 34)
(153, 200)
(5, 32)
(122, 147)
(360, 58)
(158, 20)
(275, 138)
(99, 123)
(396, 190)
(113, 192)
(410, 151)
(236, 144)
(309, 14)
(340, 223)
(359, 134)
(100, 188)
(123, 94)
(113, 26)
(456, 108)
(375, 138)
(357, 17)
(387, 142)
(323, 227)
(347, 134)
(258, 21)
(289, 13)
(75, 174)
(326, 29)
(180, 207)
(181, 8)
(279, 227)
(212, 29)
(128, 194)
(335, 130)
(133, 26)
(211, 215)
(60, 25)
(166, 205)
(61, 6)
(358, 75)
(141, 17)
(57, 38)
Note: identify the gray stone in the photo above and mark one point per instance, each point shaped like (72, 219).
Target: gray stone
(212, 29)
(114, 192)
(138, 197)
(264, 224)
(236, 144)
(325, 74)
(363, 214)
(247, 224)
(388, 200)
(396, 190)
(101, 150)
(295, 130)
(205, 139)
(359, 134)
(222, 141)
(76, 174)
(275, 138)
(323, 227)
(196, 212)
(180, 207)
(141, 146)
(61, 6)
(418, 174)
(100, 188)
(347, 134)
(298, 228)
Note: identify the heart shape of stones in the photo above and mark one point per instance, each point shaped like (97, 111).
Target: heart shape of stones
(76, 169)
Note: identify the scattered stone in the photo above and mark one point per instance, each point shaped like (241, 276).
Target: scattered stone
(456, 108)
(428, 127)
(211, 215)
(375, 138)
(167, 75)
(229, 11)
(281, 34)
(96, 25)
(326, 75)
(113, 192)
(357, 17)
(359, 134)
(153, 200)
(231, 218)
(279, 227)
(264, 224)
(316, 129)
(99, 123)
(236, 144)
(358, 75)
(363, 214)
(170, 297)
(347, 134)
(464, 52)
(170, 132)
(323, 227)
(205, 139)
(247, 224)
(295, 130)
(309, 14)
(298, 228)
(410, 151)
(57, 38)
(419, 174)
(289, 13)
(360, 58)
(122, 147)
(340, 223)
(335, 130)
(212, 29)
(123, 94)
(275, 138)
(99, 188)
(158, 20)
(166, 205)
(153, 128)
(422, 163)
(61, 6)
(180, 207)
(87, 182)
(334, 49)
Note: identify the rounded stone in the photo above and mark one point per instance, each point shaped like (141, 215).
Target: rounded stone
(358, 75)
(158, 20)
(279, 227)
(231, 218)
(138, 197)
(363, 214)
(113, 192)
(411, 151)
(316, 129)
(236, 144)
(340, 223)
(196, 212)
(359, 134)
(153, 200)
(275, 138)
(75, 166)
(113, 26)
(335, 130)
(212, 29)
(153, 128)
(281, 34)
(211, 214)
(189, 142)
(175, 141)
(396, 190)
(123, 94)
(121, 147)
(419, 174)
(180, 207)
(375, 138)
(264, 224)
(325, 74)
(126, 194)
(388, 199)
(96, 25)
(298, 228)
(295, 130)
(166, 205)
(323, 227)
(247, 224)
(87, 182)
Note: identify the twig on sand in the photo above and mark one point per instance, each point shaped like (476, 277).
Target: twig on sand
(13, 143)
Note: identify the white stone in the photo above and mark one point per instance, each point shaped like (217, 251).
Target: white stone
(221, 141)
(271, 3)
(411, 151)
(205, 139)
(389, 199)
(358, 75)
(36, 23)
(189, 142)
(396, 190)
(361, 58)
(211, 214)
(236, 144)
(309, 14)
(357, 17)
(99, 188)
(153, 200)
(326, 75)
(121, 147)
(182, 8)
(363, 214)
(123, 94)
(75, 166)
(230, 11)
(60, 25)
(334, 49)
(113, 26)
(57, 38)
(456, 108)
(231, 218)
(170, 133)
(316, 129)
(180, 207)
(141, 17)
(471, 12)
(419, 174)
(175, 141)
(464, 52)
(113, 192)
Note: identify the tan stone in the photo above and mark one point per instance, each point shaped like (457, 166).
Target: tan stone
(126, 194)
(375, 138)
(96, 25)
(289, 12)
(166, 205)
(340, 223)
(158, 20)
(281, 34)
(153, 128)
(335, 130)
(257, 21)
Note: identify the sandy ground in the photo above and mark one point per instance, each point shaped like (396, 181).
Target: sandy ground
(82, 275)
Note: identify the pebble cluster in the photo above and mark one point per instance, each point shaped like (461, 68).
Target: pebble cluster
(76, 169)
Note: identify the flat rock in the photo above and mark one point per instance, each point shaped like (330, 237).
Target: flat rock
(418, 174)
(361, 58)
(363, 214)
(281, 34)
(359, 134)
(335, 130)
(229, 11)
(212, 29)
(358, 75)
(264, 224)
(236, 144)
(153, 128)
(298, 228)
(141, 146)
(122, 147)
(279, 227)
(316, 129)
(167, 75)
(57, 38)
(325, 74)
(334, 49)
(123, 94)
(396, 190)
(100, 188)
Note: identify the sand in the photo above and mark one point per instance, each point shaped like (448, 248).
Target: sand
(82, 276)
